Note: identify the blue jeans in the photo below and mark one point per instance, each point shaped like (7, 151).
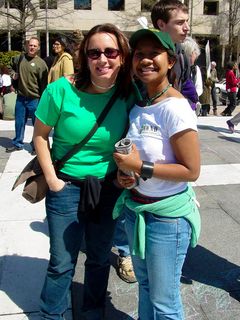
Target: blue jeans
(24, 108)
(66, 229)
(120, 240)
(158, 275)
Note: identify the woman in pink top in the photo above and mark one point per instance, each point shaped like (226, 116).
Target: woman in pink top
(231, 87)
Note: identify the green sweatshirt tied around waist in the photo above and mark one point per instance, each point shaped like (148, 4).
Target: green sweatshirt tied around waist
(181, 205)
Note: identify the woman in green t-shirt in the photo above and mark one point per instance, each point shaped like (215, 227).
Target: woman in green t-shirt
(82, 194)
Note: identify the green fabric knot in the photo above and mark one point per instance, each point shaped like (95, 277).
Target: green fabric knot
(183, 205)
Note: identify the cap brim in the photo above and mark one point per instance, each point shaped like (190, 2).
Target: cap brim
(147, 32)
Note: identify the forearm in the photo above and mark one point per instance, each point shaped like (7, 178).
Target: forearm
(175, 172)
(43, 153)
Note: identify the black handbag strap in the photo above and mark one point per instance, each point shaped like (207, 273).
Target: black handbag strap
(60, 163)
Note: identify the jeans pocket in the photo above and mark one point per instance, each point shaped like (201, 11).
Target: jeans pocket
(66, 184)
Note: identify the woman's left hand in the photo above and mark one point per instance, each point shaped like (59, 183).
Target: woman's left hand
(128, 162)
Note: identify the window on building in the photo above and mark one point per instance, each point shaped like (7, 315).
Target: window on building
(116, 5)
(51, 4)
(14, 4)
(82, 4)
(211, 8)
(146, 5)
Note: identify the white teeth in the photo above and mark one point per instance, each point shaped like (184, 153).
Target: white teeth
(147, 69)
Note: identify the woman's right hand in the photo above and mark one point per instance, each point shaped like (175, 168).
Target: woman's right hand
(56, 185)
(124, 180)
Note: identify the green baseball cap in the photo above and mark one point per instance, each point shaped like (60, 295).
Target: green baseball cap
(162, 37)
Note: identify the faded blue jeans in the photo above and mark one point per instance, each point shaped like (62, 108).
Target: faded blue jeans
(120, 240)
(158, 275)
(24, 108)
(66, 229)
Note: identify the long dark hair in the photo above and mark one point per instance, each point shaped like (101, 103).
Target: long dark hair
(64, 42)
(124, 78)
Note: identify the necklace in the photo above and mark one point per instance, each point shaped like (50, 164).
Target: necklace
(103, 88)
(157, 95)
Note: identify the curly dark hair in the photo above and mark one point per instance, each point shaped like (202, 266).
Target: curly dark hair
(123, 81)
(64, 42)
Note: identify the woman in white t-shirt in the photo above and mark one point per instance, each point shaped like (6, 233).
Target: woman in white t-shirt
(6, 81)
(161, 213)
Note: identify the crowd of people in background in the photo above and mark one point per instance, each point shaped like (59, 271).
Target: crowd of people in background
(63, 59)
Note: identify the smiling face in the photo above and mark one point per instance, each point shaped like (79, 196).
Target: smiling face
(177, 26)
(103, 70)
(151, 62)
(58, 48)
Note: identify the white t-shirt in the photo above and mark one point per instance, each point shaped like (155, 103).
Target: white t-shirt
(6, 80)
(150, 129)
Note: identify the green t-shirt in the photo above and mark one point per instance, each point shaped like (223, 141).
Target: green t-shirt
(72, 114)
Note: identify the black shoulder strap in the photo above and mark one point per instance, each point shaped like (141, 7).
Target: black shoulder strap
(60, 163)
(19, 61)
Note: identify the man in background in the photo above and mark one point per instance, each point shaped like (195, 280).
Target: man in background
(214, 79)
(31, 73)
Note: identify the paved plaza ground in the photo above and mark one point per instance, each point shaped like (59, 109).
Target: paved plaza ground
(211, 282)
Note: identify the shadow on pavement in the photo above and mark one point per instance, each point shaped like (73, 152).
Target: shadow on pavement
(6, 142)
(208, 268)
(111, 312)
(22, 280)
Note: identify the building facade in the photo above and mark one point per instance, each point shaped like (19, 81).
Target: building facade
(209, 20)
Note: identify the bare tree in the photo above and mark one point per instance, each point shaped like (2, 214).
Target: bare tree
(22, 18)
(234, 20)
(22, 15)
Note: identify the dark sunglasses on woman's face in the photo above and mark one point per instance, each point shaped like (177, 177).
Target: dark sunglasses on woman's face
(109, 53)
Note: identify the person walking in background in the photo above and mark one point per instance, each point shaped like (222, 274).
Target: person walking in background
(214, 79)
(233, 122)
(231, 87)
(236, 119)
(82, 194)
(32, 80)
(160, 212)
(63, 62)
(205, 97)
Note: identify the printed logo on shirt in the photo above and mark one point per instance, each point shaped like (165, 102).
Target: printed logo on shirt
(148, 129)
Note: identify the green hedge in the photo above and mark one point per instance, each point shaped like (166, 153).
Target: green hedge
(5, 57)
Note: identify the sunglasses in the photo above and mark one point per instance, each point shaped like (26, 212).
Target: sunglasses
(109, 53)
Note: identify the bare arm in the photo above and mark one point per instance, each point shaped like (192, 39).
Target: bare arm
(186, 149)
(42, 146)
